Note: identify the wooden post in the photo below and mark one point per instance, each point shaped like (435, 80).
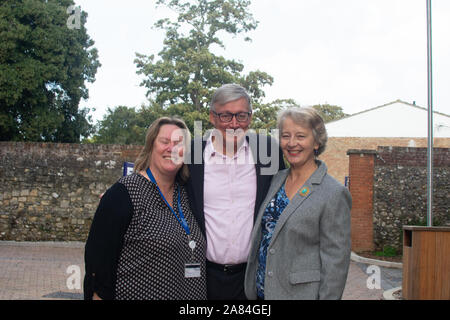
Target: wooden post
(426, 263)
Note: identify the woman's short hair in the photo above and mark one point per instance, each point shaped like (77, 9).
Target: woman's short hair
(309, 118)
(227, 93)
(143, 160)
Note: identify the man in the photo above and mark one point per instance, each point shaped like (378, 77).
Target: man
(227, 185)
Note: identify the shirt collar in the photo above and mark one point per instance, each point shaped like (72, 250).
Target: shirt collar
(210, 151)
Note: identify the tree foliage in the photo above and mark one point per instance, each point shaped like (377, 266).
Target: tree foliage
(121, 125)
(43, 69)
(265, 114)
(181, 80)
(329, 112)
(187, 72)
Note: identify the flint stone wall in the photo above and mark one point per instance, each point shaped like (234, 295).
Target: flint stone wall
(400, 191)
(50, 191)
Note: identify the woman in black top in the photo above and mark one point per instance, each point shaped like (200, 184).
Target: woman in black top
(144, 242)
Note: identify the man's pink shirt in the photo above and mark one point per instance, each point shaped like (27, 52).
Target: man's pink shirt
(229, 204)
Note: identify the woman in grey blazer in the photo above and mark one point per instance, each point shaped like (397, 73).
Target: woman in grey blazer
(300, 245)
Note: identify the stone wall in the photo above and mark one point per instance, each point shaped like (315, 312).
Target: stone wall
(400, 191)
(49, 192)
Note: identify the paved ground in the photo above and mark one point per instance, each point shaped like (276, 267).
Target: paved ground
(45, 271)
(39, 271)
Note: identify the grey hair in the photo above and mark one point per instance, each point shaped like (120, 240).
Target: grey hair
(306, 117)
(227, 93)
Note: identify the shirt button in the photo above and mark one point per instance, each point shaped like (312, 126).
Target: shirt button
(270, 274)
(272, 251)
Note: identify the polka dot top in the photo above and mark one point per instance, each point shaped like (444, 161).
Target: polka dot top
(153, 250)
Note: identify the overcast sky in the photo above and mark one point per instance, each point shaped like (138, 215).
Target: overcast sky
(357, 54)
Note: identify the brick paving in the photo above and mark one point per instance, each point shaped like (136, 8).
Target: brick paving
(356, 285)
(40, 271)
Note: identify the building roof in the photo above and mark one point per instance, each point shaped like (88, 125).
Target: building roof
(396, 119)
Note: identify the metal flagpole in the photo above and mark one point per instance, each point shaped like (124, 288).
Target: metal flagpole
(430, 121)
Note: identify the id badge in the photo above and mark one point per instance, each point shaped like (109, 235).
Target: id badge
(192, 270)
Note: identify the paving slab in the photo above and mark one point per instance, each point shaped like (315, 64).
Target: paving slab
(55, 271)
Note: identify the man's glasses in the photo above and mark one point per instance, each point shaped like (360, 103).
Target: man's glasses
(228, 117)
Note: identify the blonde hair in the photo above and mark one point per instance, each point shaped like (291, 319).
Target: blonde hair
(306, 117)
(143, 160)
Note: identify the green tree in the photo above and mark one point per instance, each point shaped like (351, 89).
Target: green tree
(181, 81)
(44, 65)
(265, 114)
(120, 125)
(190, 115)
(187, 72)
(330, 112)
(123, 125)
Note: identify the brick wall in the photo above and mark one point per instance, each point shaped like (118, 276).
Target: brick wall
(49, 192)
(337, 160)
(361, 187)
(414, 157)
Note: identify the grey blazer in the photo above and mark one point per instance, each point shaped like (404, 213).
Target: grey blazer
(309, 254)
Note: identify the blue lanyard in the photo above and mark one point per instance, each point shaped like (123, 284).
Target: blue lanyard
(181, 218)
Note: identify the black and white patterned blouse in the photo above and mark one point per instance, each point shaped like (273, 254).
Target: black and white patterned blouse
(137, 249)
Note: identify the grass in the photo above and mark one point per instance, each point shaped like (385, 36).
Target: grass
(387, 251)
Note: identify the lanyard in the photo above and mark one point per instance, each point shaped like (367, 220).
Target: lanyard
(181, 218)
